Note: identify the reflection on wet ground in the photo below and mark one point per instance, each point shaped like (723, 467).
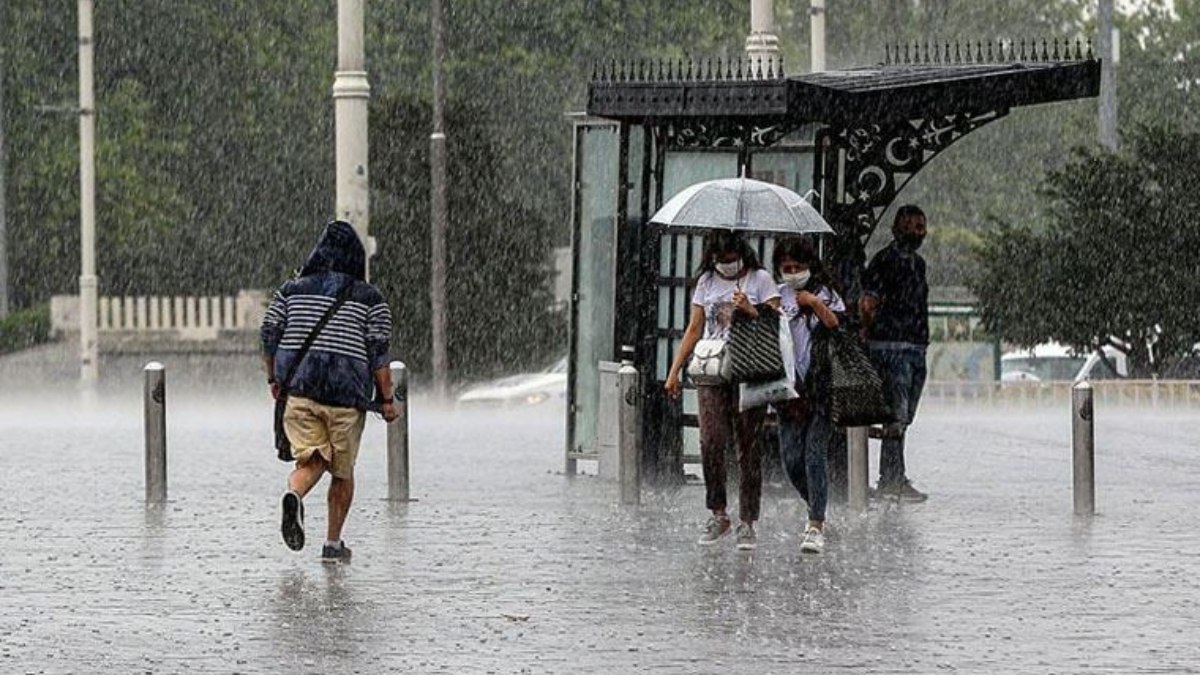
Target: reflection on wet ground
(504, 565)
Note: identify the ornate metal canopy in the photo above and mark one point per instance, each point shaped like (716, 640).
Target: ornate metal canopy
(883, 122)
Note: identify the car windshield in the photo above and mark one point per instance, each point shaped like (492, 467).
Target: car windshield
(1053, 368)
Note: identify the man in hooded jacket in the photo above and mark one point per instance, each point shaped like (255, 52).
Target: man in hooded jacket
(335, 381)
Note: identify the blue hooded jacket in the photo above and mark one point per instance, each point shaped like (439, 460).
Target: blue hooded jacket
(337, 370)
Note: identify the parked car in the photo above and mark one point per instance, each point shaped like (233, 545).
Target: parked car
(1051, 361)
(521, 389)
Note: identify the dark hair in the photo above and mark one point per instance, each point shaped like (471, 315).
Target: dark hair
(717, 242)
(906, 211)
(802, 251)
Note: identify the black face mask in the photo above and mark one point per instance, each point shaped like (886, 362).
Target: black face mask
(910, 242)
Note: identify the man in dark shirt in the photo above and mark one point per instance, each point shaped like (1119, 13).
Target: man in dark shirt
(894, 308)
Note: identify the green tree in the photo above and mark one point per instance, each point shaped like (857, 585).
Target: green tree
(1117, 257)
(500, 314)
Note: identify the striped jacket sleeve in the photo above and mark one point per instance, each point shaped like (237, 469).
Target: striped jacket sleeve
(378, 335)
(274, 323)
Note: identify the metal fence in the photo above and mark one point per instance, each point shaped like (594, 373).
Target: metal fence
(1146, 393)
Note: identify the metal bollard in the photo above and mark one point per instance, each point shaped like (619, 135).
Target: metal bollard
(397, 436)
(154, 396)
(857, 468)
(629, 454)
(1083, 441)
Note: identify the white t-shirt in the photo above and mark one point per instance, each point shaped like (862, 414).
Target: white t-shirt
(714, 294)
(803, 322)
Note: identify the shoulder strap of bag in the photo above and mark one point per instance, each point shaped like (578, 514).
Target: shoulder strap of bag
(342, 296)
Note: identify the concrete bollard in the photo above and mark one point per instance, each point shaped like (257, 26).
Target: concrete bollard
(629, 453)
(1083, 441)
(155, 405)
(397, 436)
(858, 473)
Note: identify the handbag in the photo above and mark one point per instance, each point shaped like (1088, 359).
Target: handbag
(754, 353)
(855, 389)
(283, 446)
(777, 390)
(709, 363)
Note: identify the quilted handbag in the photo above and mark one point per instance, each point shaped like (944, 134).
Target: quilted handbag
(710, 362)
(854, 386)
(754, 353)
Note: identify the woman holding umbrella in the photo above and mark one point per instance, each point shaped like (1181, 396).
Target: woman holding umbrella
(730, 280)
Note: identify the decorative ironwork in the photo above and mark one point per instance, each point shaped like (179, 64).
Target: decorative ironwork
(1004, 51)
(686, 70)
(880, 159)
(720, 133)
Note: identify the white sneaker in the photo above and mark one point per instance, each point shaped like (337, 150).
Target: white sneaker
(814, 541)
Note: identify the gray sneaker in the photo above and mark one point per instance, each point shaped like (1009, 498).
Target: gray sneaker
(714, 529)
(335, 554)
(747, 540)
(814, 541)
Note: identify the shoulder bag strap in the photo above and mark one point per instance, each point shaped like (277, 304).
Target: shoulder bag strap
(342, 296)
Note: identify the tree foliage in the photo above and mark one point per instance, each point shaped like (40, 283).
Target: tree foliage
(1119, 256)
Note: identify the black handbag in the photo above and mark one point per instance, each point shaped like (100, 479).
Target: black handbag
(754, 353)
(843, 374)
(283, 447)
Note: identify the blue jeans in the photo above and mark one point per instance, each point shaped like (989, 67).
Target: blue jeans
(903, 366)
(803, 446)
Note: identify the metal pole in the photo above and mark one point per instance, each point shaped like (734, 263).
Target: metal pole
(629, 421)
(154, 397)
(1083, 440)
(89, 357)
(1108, 75)
(857, 468)
(3, 203)
(397, 437)
(817, 15)
(439, 218)
(351, 92)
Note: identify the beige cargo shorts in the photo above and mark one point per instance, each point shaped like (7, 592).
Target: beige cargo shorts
(333, 432)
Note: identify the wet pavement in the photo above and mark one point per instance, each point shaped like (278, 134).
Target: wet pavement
(504, 565)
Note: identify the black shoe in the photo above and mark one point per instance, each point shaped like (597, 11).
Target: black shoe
(903, 492)
(293, 521)
(335, 554)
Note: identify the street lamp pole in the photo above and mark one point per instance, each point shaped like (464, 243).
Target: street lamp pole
(1108, 75)
(438, 216)
(3, 202)
(89, 361)
(762, 46)
(351, 92)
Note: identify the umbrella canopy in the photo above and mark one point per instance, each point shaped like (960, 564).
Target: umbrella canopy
(741, 204)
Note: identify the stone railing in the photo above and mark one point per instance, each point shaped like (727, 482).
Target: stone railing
(182, 317)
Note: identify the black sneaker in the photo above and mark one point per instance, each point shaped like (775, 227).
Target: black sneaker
(335, 554)
(903, 492)
(293, 521)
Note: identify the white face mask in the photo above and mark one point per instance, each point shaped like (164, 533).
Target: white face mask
(798, 280)
(729, 270)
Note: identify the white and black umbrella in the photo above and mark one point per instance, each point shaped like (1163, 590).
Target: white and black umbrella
(741, 204)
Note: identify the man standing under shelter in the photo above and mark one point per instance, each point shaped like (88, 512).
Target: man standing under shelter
(894, 308)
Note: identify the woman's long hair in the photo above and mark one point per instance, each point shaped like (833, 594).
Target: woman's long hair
(802, 251)
(718, 242)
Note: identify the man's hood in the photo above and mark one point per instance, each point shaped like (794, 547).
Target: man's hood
(338, 250)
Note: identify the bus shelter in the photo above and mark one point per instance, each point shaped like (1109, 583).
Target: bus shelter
(850, 138)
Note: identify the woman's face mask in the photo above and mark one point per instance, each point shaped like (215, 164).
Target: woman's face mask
(728, 270)
(797, 280)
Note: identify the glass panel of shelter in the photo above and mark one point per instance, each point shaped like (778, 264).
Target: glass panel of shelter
(596, 175)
